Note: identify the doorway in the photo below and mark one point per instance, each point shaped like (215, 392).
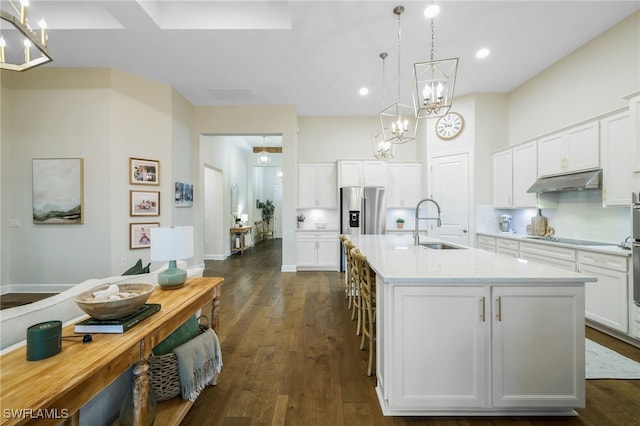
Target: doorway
(213, 214)
(450, 188)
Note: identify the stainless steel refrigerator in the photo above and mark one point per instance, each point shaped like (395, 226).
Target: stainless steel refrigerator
(362, 211)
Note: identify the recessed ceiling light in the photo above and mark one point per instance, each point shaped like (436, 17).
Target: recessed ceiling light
(364, 91)
(482, 53)
(432, 11)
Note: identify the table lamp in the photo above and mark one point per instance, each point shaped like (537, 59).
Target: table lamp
(172, 244)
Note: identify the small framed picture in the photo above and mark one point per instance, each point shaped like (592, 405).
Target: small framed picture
(144, 172)
(140, 234)
(144, 203)
(184, 194)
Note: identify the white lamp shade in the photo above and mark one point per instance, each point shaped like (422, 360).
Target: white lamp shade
(174, 243)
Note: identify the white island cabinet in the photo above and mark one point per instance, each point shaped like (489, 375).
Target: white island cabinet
(468, 332)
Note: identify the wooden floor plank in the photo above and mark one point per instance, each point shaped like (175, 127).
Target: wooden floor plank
(291, 357)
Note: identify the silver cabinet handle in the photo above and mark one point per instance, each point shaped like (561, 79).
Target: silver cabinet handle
(482, 309)
(499, 308)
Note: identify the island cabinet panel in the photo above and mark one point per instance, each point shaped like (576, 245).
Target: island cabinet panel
(480, 349)
(538, 347)
(436, 366)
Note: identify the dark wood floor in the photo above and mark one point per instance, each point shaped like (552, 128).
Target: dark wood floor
(11, 300)
(291, 357)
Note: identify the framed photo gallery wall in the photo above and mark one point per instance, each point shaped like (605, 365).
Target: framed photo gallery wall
(143, 203)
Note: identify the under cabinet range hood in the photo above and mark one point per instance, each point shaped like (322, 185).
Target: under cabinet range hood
(591, 179)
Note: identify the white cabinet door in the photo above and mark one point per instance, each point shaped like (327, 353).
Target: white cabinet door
(530, 329)
(550, 155)
(582, 147)
(374, 173)
(525, 173)
(502, 179)
(485, 242)
(572, 150)
(306, 252)
(404, 185)
(617, 159)
(350, 173)
(607, 300)
(326, 186)
(328, 250)
(306, 186)
(432, 365)
(317, 186)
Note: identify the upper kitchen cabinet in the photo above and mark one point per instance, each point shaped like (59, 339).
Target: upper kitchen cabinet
(575, 149)
(617, 163)
(514, 171)
(361, 173)
(317, 186)
(404, 185)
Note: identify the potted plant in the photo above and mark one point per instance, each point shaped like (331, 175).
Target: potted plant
(400, 223)
(301, 219)
(267, 211)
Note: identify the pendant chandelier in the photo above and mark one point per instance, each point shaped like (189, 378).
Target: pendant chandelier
(398, 120)
(263, 157)
(433, 83)
(382, 149)
(18, 39)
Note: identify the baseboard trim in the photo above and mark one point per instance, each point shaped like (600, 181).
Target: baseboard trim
(288, 268)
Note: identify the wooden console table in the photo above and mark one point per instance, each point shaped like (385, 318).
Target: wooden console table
(52, 390)
(240, 232)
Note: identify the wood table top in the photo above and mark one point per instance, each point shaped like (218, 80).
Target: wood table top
(66, 381)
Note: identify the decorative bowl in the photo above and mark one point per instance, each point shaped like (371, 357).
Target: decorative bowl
(137, 295)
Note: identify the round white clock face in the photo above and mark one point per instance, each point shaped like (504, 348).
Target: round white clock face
(449, 126)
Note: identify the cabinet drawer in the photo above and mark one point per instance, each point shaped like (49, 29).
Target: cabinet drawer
(485, 241)
(616, 263)
(559, 253)
(507, 244)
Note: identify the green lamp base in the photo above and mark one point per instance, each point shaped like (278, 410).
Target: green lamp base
(172, 277)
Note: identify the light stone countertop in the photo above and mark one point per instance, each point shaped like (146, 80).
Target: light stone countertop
(396, 259)
(607, 249)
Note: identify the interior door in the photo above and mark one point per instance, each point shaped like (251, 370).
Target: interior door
(450, 189)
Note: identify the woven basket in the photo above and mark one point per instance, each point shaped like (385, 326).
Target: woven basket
(165, 382)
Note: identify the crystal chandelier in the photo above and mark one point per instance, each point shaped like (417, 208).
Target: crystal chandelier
(263, 157)
(398, 120)
(382, 149)
(18, 39)
(433, 83)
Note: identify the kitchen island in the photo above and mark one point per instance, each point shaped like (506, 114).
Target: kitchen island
(467, 332)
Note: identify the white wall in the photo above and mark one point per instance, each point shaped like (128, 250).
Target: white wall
(343, 138)
(589, 82)
(102, 116)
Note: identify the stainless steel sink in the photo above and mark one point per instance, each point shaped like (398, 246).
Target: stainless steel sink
(440, 246)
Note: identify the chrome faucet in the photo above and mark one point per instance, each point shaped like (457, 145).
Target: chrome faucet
(416, 231)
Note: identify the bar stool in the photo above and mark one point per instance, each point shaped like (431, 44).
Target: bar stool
(367, 302)
(350, 288)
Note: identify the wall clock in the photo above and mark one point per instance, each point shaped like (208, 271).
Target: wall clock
(449, 126)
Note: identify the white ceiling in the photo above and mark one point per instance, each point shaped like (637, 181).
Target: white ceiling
(316, 55)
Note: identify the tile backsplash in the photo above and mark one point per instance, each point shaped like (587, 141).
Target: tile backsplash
(579, 215)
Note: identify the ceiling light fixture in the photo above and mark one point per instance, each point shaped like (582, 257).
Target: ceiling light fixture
(263, 157)
(382, 149)
(398, 120)
(18, 39)
(482, 53)
(433, 83)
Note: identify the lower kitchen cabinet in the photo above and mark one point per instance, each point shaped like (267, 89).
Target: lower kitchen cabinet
(560, 257)
(485, 242)
(507, 246)
(529, 335)
(317, 250)
(607, 300)
(489, 356)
